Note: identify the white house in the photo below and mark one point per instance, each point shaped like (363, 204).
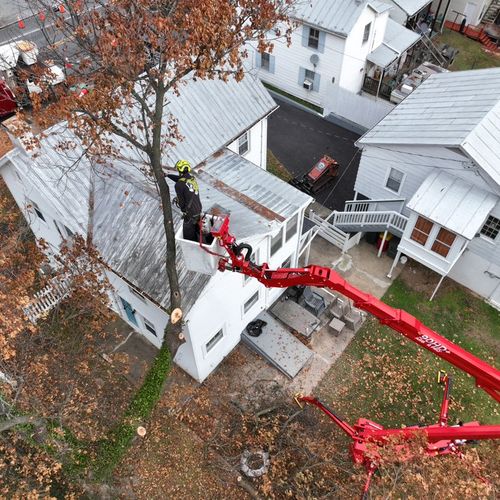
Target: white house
(224, 127)
(335, 45)
(407, 12)
(474, 12)
(430, 174)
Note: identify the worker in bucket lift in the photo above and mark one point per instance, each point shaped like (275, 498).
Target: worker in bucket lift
(188, 200)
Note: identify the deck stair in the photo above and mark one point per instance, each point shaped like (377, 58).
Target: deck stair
(492, 12)
(358, 217)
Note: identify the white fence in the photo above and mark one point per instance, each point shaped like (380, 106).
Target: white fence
(47, 298)
(361, 109)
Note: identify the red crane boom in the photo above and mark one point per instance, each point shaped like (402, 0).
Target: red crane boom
(442, 438)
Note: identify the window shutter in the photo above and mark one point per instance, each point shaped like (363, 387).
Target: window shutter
(322, 39)
(305, 35)
(302, 76)
(317, 79)
(271, 63)
(258, 60)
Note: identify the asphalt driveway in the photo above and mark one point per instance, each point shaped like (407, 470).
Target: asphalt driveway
(299, 139)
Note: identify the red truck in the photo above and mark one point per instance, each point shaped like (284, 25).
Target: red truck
(8, 103)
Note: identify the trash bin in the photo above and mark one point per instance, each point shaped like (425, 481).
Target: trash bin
(386, 242)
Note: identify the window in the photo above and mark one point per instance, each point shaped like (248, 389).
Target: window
(244, 143)
(37, 210)
(394, 180)
(135, 293)
(255, 257)
(366, 34)
(443, 242)
(150, 327)
(291, 227)
(265, 61)
(421, 230)
(287, 264)
(491, 227)
(310, 75)
(313, 40)
(250, 302)
(214, 340)
(276, 242)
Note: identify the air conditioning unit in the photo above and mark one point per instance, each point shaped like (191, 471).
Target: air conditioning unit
(308, 85)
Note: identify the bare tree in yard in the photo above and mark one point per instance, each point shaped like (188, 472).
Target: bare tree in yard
(133, 55)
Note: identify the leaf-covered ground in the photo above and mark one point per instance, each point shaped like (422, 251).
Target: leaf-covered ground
(198, 432)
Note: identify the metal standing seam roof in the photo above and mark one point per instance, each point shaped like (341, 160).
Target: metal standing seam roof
(336, 16)
(210, 114)
(453, 203)
(455, 109)
(397, 40)
(411, 7)
(128, 228)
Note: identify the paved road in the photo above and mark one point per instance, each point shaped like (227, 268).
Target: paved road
(299, 139)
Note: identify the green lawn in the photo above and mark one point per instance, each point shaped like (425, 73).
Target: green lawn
(471, 56)
(276, 168)
(388, 379)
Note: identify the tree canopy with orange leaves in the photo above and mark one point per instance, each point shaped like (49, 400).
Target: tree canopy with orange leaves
(131, 56)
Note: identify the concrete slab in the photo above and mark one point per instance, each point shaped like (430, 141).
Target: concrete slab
(296, 317)
(360, 265)
(279, 346)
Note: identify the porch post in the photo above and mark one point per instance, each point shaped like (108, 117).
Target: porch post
(382, 244)
(394, 263)
(380, 82)
(355, 195)
(437, 286)
(308, 253)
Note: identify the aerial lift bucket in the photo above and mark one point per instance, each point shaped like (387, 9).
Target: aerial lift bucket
(202, 258)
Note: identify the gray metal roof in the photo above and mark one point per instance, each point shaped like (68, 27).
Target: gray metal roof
(210, 114)
(453, 203)
(336, 16)
(128, 228)
(411, 7)
(257, 185)
(397, 40)
(460, 109)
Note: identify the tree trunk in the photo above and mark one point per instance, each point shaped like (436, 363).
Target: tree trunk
(172, 332)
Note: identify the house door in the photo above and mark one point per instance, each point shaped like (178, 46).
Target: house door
(470, 13)
(129, 311)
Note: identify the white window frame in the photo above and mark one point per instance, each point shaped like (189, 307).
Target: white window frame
(244, 139)
(366, 36)
(214, 341)
(288, 237)
(147, 324)
(316, 39)
(253, 299)
(265, 56)
(255, 257)
(388, 174)
(136, 294)
(36, 209)
(278, 234)
(484, 236)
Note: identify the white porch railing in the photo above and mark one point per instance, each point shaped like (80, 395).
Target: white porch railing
(47, 298)
(333, 234)
(397, 204)
(362, 221)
